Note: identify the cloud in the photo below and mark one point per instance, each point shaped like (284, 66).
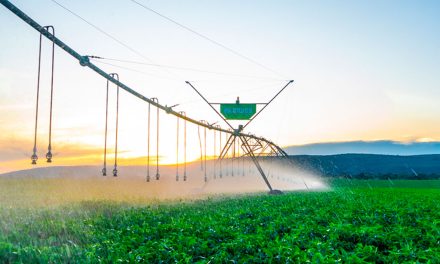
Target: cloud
(15, 154)
(13, 148)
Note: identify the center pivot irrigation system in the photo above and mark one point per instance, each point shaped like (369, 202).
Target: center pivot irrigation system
(252, 146)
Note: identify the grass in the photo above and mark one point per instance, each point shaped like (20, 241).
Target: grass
(357, 221)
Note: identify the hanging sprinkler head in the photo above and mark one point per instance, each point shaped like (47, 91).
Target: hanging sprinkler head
(34, 158)
(49, 155)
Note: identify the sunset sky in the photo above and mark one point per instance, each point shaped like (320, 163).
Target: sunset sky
(363, 70)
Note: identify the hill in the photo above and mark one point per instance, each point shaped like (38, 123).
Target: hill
(384, 147)
(371, 166)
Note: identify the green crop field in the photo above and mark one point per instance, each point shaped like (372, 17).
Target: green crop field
(354, 221)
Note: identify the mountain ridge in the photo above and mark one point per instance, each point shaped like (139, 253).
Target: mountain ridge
(382, 147)
(367, 166)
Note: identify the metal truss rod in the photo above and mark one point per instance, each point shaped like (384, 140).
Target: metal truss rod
(257, 164)
(226, 148)
(263, 149)
(215, 110)
(273, 98)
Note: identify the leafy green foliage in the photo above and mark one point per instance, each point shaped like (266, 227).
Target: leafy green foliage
(355, 222)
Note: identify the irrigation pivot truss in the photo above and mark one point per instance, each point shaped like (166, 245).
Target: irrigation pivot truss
(251, 145)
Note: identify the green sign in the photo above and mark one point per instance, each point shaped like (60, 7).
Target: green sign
(238, 111)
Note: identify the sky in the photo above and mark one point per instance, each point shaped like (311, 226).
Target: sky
(363, 70)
